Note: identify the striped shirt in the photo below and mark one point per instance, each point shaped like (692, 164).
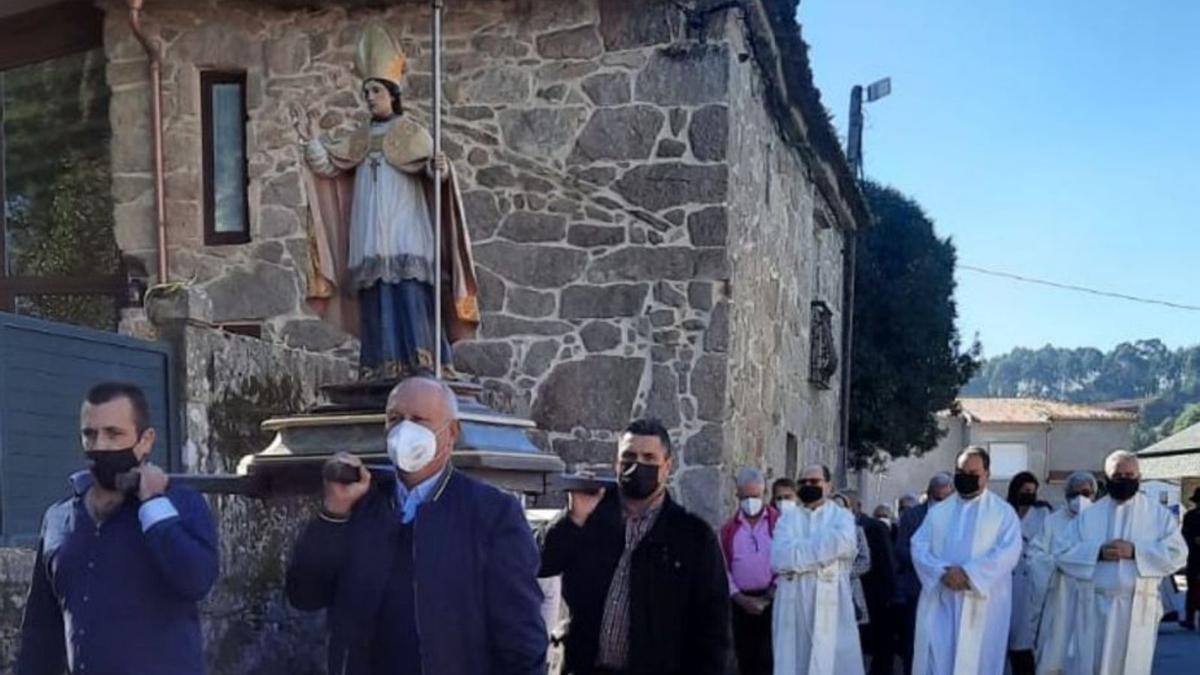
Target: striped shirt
(614, 628)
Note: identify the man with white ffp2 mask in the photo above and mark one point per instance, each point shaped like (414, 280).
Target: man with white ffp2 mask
(422, 569)
(1056, 610)
(746, 543)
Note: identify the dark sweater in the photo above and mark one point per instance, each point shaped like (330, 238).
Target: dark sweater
(114, 599)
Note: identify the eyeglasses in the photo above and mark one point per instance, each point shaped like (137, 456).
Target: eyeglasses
(810, 481)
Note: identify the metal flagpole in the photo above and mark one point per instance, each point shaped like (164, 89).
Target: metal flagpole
(437, 185)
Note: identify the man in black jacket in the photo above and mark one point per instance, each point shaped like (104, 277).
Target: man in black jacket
(908, 586)
(879, 587)
(644, 579)
(421, 568)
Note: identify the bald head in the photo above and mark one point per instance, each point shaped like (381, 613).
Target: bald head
(435, 399)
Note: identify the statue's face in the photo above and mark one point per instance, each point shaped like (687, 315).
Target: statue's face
(379, 100)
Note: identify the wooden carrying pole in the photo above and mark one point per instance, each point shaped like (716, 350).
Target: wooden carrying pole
(437, 185)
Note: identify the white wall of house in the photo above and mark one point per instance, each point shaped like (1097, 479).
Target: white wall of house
(1050, 449)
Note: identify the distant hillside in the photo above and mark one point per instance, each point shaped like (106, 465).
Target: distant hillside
(1165, 382)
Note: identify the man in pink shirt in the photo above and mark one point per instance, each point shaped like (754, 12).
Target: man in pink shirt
(746, 543)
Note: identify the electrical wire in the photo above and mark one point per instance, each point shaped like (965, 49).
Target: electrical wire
(1080, 289)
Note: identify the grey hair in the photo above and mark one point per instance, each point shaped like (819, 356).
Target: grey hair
(750, 476)
(1078, 479)
(940, 479)
(1116, 457)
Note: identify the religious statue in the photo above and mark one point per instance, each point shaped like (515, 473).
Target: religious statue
(372, 236)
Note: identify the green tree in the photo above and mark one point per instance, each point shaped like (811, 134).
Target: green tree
(1188, 417)
(909, 362)
(1163, 384)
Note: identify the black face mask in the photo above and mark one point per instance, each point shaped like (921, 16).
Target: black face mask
(638, 481)
(107, 465)
(810, 493)
(966, 483)
(1026, 499)
(1121, 489)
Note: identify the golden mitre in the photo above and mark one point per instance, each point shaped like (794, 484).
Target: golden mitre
(379, 55)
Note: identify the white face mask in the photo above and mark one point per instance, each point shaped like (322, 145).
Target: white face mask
(1078, 504)
(411, 447)
(785, 505)
(752, 506)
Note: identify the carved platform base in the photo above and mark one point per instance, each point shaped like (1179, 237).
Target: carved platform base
(492, 446)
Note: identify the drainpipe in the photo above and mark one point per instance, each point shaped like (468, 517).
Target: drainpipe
(154, 54)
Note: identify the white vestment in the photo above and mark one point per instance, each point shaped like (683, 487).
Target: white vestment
(813, 624)
(1028, 590)
(391, 233)
(965, 632)
(1118, 609)
(1057, 610)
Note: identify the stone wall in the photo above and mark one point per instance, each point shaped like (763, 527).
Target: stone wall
(231, 384)
(644, 237)
(785, 253)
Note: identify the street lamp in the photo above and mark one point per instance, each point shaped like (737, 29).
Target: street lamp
(875, 91)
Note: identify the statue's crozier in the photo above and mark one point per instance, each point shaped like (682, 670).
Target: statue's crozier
(372, 241)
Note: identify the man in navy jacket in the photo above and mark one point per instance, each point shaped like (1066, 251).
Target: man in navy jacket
(122, 564)
(422, 569)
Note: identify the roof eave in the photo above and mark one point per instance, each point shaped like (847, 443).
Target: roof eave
(795, 103)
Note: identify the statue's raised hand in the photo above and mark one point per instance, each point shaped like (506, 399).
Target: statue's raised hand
(301, 121)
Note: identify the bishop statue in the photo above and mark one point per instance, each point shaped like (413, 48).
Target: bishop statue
(373, 242)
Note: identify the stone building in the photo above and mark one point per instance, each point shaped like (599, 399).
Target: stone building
(657, 201)
(654, 194)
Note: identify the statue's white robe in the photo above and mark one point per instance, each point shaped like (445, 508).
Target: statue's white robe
(1028, 588)
(391, 233)
(965, 632)
(1054, 625)
(1118, 608)
(813, 624)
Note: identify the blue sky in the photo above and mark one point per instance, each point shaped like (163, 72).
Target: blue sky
(1058, 140)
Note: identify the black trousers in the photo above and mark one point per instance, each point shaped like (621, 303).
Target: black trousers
(1192, 601)
(906, 633)
(878, 640)
(752, 641)
(1022, 662)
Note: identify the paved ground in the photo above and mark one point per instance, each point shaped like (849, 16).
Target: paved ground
(1178, 651)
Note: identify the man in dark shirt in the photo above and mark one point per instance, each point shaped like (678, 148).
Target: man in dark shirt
(1191, 534)
(122, 564)
(908, 586)
(879, 587)
(644, 580)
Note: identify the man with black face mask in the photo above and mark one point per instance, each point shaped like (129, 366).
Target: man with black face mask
(122, 564)
(1119, 550)
(644, 579)
(964, 554)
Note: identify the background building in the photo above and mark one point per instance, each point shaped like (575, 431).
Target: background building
(1051, 439)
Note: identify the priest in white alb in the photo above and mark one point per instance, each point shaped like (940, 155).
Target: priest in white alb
(1119, 551)
(964, 554)
(1055, 613)
(814, 629)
